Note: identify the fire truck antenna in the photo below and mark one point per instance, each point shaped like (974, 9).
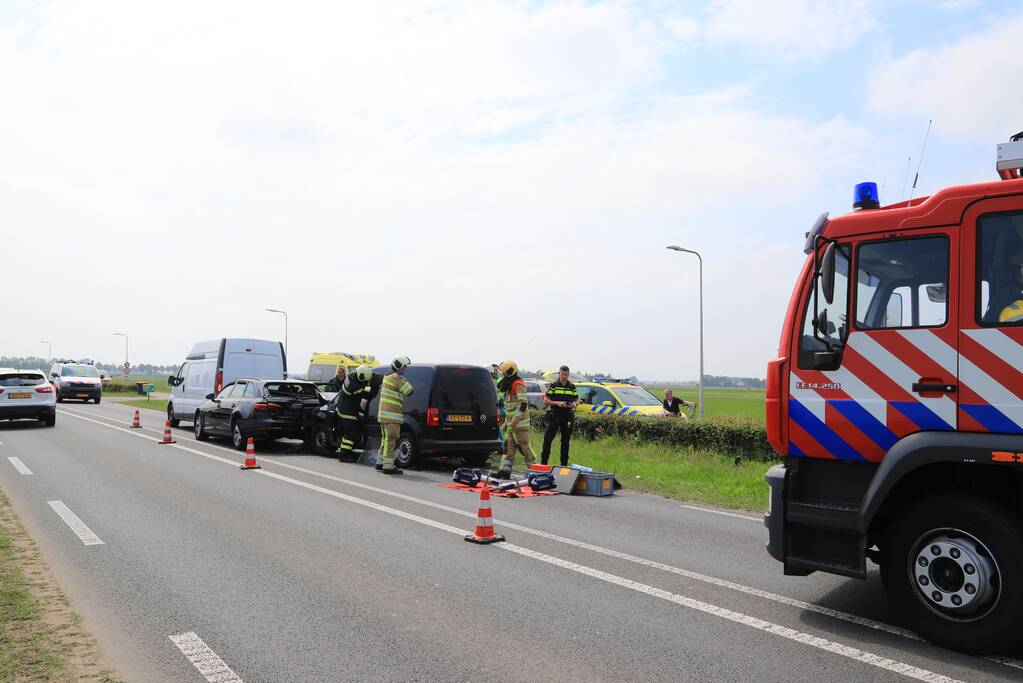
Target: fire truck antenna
(920, 162)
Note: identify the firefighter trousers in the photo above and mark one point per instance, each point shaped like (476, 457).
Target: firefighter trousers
(389, 432)
(516, 440)
(351, 435)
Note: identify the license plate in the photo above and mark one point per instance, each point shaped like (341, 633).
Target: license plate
(460, 418)
(21, 395)
(83, 396)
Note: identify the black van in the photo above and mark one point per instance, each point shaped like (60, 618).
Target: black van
(452, 411)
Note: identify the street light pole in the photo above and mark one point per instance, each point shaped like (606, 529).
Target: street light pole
(690, 251)
(49, 351)
(285, 314)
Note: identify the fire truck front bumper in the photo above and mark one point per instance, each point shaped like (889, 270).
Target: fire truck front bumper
(774, 520)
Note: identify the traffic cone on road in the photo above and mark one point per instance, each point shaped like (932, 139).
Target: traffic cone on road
(484, 532)
(167, 438)
(250, 457)
(136, 422)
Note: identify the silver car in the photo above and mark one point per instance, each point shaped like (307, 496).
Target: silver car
(535, 390)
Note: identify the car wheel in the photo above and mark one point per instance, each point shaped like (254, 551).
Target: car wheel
(174, 421)
(321, 440)
(60, 399)
(199, 427)
(97, 399)
(238, 439)
(50, 420)
(406, 451)
(953, 566)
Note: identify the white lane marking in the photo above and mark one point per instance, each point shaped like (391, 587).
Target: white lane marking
(653, 564)
(205, 660)
(87, 536)
(737, 617)
(722, 512)
(19, 465)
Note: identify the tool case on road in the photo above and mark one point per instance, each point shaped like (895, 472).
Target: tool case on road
(595, 484)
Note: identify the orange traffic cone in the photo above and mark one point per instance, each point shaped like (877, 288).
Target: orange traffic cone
(167, 438)
(484, 532)
(136, 423)
(250, 457)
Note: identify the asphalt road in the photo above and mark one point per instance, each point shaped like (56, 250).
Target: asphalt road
(313, 570)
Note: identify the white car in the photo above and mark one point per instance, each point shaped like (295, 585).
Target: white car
(27, 394)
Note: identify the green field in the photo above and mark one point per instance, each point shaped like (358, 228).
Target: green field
(116, 387)
(722, 402)
(159, 404)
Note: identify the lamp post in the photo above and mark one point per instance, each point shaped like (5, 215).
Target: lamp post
(690, 251)
(285, 314)
(49, 351)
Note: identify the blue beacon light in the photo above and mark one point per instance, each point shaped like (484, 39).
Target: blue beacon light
(865, 197)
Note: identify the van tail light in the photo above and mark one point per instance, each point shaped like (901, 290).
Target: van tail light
(220, 381)
(42, 390)
(433, 417)
(264, 406)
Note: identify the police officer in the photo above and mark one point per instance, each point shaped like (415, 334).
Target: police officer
(561, 400)
(356, 387)
(516, 434)
(391, 412)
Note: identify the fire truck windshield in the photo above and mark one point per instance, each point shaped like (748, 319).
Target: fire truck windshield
(830, 328)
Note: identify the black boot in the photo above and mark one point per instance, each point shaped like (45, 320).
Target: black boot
(394, 471)
(378, 467)
(503, 474)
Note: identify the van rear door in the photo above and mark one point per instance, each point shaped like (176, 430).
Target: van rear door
(252, 358)
(466, 400)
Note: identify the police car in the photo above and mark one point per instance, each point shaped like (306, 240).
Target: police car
(616, 397)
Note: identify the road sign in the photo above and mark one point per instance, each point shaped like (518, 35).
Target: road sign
(126, 368)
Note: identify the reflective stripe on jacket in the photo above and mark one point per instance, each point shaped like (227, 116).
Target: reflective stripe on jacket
(392, 398)
(517, 404)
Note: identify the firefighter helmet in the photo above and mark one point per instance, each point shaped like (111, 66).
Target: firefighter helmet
(400, 363)
(509, 368)
(364, 373)
(1013, 313)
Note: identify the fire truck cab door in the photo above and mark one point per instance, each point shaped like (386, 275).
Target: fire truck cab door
(991, 318)
(898, 368)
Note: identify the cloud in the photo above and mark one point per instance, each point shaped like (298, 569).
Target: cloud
(970, 87)
(333, 158)
(792, 29)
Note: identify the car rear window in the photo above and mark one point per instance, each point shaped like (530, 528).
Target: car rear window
(78, 371)
(290, 389)
(462, 385)
(20, 379)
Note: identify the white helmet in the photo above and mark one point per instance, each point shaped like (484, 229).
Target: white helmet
(364, 373)
(400, 363)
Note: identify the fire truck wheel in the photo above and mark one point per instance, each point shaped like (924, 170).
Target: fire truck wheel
(953, 565)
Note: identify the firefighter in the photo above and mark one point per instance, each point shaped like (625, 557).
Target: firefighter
(502, 413)
(391, 413)
(356, 387)
(516, 435)
(1013, 313)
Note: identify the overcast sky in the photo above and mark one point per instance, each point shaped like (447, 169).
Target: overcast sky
(464, 181)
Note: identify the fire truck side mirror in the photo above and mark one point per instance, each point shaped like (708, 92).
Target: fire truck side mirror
(828, 274)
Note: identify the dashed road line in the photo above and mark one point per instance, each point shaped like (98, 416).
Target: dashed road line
(736, 617)
(19, 465)
(83, 532)
(205, 660)
(723, 513)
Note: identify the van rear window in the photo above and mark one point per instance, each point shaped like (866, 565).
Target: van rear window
(465, 385)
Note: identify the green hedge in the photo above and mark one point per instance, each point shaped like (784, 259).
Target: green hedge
(731, 436)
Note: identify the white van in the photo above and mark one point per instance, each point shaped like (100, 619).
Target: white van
(212, 364)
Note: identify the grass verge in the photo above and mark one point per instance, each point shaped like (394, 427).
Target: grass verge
(689, 475)
(159, 404)
(41, 639)
(722, 401)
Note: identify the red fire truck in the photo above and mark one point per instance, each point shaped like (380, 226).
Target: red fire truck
(897, 401)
